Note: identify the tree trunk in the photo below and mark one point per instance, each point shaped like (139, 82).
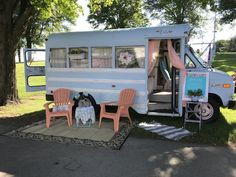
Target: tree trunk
(18, 53)
(8, 89)
(12, 21)
(28, 41)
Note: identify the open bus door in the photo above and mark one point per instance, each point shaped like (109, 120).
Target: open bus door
(34, 62)
(164, 92)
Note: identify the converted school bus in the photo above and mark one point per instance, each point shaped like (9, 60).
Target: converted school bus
(104, 62)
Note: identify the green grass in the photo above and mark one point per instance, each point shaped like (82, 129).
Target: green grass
(225, 62)
(220, 132)
(30, 101)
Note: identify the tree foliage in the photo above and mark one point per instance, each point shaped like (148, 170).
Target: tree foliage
(15, 16)
(222, 45)
(226, 45)
(228, 10)
(116, 13)
(177, 11)
(55, 16)
(232, 44)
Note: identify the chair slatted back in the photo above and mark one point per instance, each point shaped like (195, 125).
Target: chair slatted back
(127, 97)
(61, 96)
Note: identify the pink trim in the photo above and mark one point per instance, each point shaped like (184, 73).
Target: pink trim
(153, 51)
(175, 59)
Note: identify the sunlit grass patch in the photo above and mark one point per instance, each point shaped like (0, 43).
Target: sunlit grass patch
(30, 101)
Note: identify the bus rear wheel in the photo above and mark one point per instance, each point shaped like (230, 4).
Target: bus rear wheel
(210, 110)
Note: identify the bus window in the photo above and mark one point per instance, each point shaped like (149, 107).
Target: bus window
(58, 58)
(130, 57)
(35, 58)
(188, 62)
(78, 57)
(102, 57)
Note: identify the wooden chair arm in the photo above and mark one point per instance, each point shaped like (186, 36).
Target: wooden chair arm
(46, 105)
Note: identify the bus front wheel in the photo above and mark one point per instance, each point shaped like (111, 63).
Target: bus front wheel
(210, 110)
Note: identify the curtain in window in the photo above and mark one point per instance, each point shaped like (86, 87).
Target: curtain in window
(102, 57)
(153, 52)
(175, 59)
(58, 58)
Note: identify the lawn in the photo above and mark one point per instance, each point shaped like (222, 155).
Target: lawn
(30, 101)
(225, 62)
(220, 132)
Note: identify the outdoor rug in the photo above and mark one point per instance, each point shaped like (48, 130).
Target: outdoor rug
(59, 132)
(169, 132)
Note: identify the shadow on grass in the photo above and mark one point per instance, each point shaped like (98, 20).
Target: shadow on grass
(225, 62)
(219, 132)
(9, 124)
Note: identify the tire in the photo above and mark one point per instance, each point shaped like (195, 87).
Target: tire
(211, 111)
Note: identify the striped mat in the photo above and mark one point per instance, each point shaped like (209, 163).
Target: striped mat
(170, 132)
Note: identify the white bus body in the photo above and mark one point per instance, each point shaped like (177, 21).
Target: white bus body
(91, 62)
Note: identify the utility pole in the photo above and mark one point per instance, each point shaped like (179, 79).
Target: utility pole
(213, 53)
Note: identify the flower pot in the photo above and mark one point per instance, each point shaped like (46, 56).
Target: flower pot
(77, 56)
(194, 98)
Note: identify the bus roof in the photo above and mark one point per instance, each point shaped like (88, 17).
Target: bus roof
(124, 36)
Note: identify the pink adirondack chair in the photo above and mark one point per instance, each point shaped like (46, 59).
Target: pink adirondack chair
(61, 100)
(126, 100)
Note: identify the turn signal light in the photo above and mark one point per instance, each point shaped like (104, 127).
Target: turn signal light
(226, 85)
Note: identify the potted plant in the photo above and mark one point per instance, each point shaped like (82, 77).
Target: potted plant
(76, 54)
(195, 94)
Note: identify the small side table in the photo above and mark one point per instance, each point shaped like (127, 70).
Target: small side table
(84, 116)
(189, 112)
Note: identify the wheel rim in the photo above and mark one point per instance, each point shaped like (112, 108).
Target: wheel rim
(207, 111)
